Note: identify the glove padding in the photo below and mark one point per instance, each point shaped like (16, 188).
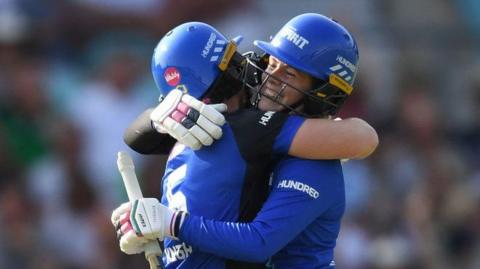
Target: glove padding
(188, 120)
(143, 220)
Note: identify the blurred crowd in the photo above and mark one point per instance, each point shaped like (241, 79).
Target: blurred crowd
(75, 73)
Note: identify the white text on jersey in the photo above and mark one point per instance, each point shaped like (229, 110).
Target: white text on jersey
(299, 186)
(178, 252)
(266, 117)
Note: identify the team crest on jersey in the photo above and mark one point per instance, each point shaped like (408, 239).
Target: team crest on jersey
(172, 76)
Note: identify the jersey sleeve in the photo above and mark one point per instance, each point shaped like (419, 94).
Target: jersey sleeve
(270, 132)
(143, 138)
(302, 191)
(286, 135)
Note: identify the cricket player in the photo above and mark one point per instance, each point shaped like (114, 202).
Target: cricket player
(226, 196)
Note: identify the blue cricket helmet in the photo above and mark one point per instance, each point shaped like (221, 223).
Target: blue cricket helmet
(322, 48)
(191, 57)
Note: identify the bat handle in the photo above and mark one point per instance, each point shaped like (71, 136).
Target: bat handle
(127, 170)
(152, 249)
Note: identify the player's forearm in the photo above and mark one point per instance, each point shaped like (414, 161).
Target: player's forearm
(351, 138)
(143, 138)
(366, 137)
(236, 241)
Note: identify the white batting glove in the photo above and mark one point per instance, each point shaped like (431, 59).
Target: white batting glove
(189, 120)
(142, 220)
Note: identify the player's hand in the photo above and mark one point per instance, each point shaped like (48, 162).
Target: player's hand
(188, 120)
(142, 220)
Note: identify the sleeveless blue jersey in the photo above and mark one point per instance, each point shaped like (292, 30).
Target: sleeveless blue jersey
(297, 226)
(227, 181)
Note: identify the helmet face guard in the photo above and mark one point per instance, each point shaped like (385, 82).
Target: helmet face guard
(320, 47)
(321, 100)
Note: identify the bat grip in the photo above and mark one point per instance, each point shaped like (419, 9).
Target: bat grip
(152, 249)
(127, 170)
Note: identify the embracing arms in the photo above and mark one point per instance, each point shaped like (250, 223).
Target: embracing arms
(351, 138)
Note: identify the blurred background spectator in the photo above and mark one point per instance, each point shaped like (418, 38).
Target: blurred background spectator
(75, 73)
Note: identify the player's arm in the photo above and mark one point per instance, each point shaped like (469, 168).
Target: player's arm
(351, 138)
(198, 125)
(178, 117)
(284, 215)
(322, 139)
(143, 138)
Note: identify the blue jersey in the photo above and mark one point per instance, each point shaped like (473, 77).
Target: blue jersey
(227, 181)
(297, 226)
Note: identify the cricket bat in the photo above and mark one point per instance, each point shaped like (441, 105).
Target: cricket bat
(127, 170)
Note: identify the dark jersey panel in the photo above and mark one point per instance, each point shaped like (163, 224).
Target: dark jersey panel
(256, 145)
(255, 133)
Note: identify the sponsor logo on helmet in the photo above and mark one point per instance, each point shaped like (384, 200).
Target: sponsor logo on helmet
(341, 69)
(219, 44)
(346, 63)
(290, 34)
(209, 45)
(172, 76)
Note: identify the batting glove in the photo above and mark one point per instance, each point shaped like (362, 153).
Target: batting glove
(188, 120)
(143, 220)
